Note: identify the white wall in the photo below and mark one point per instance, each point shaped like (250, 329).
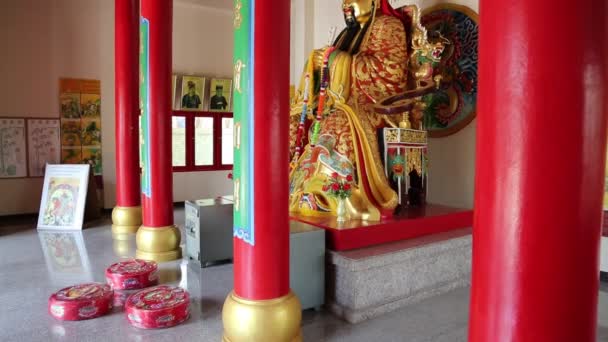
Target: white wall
(43, 41)
(604, 255)
(46, 40)
(452, 159)
(302, 36)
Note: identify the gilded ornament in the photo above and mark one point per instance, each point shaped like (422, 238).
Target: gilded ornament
(237, 135)
(238, 18)
(238, 67)
(237, 194)
(410, 136)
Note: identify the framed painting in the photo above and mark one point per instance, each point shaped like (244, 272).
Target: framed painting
(220, 94)
(44, 144)
(13, 160)
(188, 92)
(63, 197)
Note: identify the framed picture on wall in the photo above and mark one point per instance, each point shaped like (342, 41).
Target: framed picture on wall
(13, 160)
(220, 93)
(44, 144)
(188, 92)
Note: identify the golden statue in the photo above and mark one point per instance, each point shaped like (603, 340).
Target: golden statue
(367, 63)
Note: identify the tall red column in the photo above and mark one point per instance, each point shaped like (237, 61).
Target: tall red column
(261, 308)
(126, 216)
(541, 146)
(158, 239)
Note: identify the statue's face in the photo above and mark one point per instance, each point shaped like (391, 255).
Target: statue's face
(357, 10)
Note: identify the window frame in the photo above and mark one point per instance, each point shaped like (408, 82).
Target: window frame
(185, 167)
(191, 144)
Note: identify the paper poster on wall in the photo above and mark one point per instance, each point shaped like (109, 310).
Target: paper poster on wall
(92, 156)
(71, 155)
(91, 132)
(44, 144)
(81, 122)
(70, 105)
(91, 105)
(13, 161)
(71, 133)
(63, 197)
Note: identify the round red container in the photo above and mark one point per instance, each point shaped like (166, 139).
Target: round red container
(132, 274)
(158, 307)
(79, 302)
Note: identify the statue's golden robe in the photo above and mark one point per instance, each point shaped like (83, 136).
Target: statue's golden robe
(348, 140)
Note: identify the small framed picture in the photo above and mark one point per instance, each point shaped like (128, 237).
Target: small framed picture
(188, 92)
(220, 94)
(63, 197)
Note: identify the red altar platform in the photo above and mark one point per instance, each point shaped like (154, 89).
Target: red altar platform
(408, 224)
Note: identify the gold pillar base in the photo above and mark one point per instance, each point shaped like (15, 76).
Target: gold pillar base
(276, 320)
(125, 222)
(158, 244)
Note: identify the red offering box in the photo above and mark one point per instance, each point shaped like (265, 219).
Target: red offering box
(79, 302)
(158, 307)
(132, 274)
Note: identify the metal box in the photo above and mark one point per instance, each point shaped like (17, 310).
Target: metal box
(209, 239)
(209, 230)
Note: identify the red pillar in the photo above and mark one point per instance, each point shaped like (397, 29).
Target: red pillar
(541, 146)
(261, 308)
(160, 238)
(126, 216)
(262, 271)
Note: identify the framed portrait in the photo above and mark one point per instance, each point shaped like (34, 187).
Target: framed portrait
(188, 92)
(220, 95)
(63, 197)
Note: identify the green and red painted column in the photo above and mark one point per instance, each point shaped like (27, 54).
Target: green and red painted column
(541, 149)
(261, 307)
(126, 216)
(158, 239)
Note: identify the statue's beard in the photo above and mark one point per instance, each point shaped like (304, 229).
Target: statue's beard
(349, 18)
(351, 37)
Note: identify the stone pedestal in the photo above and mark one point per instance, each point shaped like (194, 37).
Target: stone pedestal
(369, 282)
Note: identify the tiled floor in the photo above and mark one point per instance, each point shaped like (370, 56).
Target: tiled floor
(33, 265)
